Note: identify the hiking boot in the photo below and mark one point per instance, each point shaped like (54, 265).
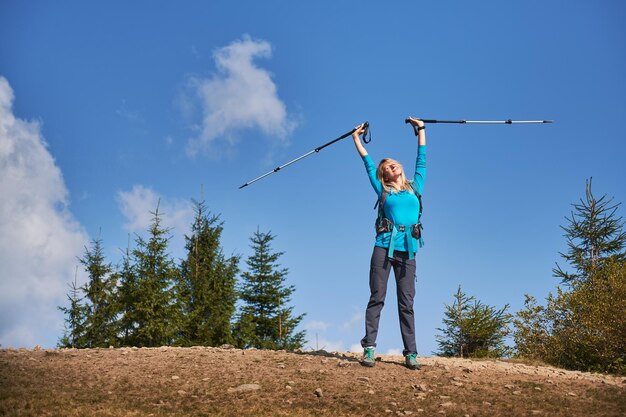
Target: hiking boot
(411, 361)
(369, 357)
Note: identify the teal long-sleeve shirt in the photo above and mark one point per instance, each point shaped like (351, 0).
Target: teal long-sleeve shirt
(402, 208)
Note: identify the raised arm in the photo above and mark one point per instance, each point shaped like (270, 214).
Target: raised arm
(420, 162)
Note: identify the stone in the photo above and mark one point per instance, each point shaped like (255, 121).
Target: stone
(420, 387)
(245, 388)
(175, 377)
(319, 393)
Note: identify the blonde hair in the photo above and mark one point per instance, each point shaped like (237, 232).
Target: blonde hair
(381, 177)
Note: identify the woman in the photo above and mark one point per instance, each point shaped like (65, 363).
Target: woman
(395, 245)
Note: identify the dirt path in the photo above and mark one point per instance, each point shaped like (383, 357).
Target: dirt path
(231, 382)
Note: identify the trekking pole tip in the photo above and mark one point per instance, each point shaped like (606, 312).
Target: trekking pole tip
(245, 185)
(548, 121)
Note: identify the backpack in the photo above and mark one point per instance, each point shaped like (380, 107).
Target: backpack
(383, 224)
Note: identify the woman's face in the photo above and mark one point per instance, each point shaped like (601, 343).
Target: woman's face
(391, 171)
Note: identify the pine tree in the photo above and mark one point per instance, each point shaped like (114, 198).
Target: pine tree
(583, 326)
(473, 329)
(100, 292)
(73, 336)
(155, 314)
(265, 320)
(207, 287)
(127, 298)
(594, 234)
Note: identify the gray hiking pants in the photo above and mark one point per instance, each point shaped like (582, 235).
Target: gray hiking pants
(404, 271)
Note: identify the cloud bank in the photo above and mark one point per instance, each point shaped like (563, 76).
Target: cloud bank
(39, 237)
(239, 96)
(139, 204)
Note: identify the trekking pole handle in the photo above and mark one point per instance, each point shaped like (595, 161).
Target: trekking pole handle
(407, 121)
(366, 128)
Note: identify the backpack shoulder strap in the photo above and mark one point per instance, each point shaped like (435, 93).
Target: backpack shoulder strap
(419, 198)
(381, 200)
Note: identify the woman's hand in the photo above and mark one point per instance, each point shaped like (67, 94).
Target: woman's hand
(358, 131)
(421, 130)
(416, 122)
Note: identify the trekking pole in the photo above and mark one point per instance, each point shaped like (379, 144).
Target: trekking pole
(481, 122)
(319, 148)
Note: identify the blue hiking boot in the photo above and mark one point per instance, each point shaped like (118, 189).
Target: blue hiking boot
(411, 361)
(369, 357)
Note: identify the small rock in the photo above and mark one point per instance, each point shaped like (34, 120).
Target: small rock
(509, 386)
(487, 403)
(444, 397)
(467, 370)
(371, 392)
(458, 384)
(291, 383)
(181, 392)
(319, 392)
(227, 346)
(571, 394)
(245, 387)
(420, 387)
(288, 387)
(394, 404)
(175, 377)
(447, 404)
(363, 379)
(420, 410)
(388, 411)
(537, 388)
(517, 392)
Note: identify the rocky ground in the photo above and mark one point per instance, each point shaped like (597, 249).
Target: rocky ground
(230, 382)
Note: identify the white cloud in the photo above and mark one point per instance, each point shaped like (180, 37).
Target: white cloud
(139, 204)
(394, 351)
(240, 96)
(356, 348)
(39, 237)
(357, 319)
(317, 325)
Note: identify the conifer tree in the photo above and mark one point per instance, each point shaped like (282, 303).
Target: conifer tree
(594, 234)
(73, 336)
(127, 298)
(100, 293)
(473, 329)
(207, 286)
(266, 320)
(155, 313)
(583, 326)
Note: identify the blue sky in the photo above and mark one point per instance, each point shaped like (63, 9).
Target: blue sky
(107, 107)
